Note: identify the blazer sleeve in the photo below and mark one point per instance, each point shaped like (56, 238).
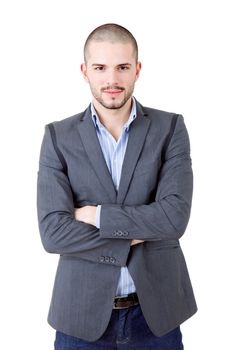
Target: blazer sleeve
(60, 232)
(167, 216)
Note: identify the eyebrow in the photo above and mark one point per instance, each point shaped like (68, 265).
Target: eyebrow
(118, 65)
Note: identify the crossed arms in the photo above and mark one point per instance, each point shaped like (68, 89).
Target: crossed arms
(87, 214)
(68, 231)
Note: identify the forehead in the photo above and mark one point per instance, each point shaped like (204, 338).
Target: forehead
(106, 52)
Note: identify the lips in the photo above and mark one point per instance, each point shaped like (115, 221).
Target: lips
(113, 91)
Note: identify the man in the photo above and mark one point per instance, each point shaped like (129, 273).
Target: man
(114, 197)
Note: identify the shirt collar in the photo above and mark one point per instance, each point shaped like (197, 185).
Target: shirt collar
(132, 116)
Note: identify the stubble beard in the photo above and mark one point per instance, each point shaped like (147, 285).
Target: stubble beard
(114, 104)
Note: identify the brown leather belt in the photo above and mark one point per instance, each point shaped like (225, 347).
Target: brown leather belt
(125, 302)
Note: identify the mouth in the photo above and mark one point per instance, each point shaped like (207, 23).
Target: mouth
(113, 92)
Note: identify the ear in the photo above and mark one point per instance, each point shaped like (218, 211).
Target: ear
(83, 68)
(138, 69)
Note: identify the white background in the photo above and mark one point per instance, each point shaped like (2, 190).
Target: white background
(185, 49)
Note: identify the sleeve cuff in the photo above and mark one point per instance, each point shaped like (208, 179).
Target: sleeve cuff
(97, 219)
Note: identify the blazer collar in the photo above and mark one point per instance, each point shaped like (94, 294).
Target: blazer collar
(137, 135)
(92, 147)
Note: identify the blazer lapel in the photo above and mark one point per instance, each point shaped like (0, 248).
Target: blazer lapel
(93, 149)
(137, 136)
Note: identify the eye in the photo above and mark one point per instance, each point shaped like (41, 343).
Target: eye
(99, 68)
(122, 68)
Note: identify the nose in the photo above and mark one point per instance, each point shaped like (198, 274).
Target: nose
(112, 77)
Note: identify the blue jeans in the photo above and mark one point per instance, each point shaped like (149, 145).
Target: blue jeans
(127, 329)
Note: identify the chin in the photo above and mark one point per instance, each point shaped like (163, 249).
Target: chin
(114, 104)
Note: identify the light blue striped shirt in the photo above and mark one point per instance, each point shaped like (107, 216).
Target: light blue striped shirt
(114, 152)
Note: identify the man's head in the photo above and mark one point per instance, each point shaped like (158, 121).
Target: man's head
(111, 65)
(113, 33)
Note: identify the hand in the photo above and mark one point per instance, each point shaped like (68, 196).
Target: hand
(86, 214)
(136, 241)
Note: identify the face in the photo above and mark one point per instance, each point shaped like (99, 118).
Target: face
(111, 71)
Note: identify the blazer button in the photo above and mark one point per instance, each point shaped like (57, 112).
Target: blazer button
(102, 259)
(112, 260)
(107, 259)
(125, 233)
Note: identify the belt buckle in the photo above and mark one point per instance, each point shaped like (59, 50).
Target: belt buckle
(118, 307)
(115, 307)
(125, 303)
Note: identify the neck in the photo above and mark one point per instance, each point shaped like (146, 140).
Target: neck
(113, 119)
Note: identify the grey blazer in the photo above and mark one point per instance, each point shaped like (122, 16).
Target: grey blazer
(152, 204)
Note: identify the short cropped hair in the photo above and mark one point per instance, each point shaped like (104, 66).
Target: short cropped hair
(113, 33)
